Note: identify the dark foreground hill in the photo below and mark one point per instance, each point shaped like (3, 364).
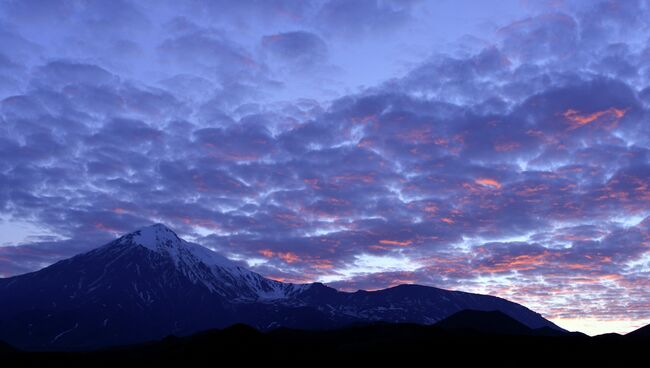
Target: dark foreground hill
(641, 332)
(441, 344)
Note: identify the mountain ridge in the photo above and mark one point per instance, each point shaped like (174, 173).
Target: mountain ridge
(369, 343)
(643, 331)
(150, 283)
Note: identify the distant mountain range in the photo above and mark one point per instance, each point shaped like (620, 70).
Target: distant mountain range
(150, 284)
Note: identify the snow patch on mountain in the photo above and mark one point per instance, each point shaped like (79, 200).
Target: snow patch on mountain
(163, 240)
(202, 265)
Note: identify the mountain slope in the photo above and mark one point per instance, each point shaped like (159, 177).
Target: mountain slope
(142, 286)
(641, 332)
(493, 322)
(150, 283)
(414, 304)
(203, 266)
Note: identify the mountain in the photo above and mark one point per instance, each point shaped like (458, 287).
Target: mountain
(487, 322)
(641, 332)
(496, 323)
(413, 304)
(6, 349)
(150, 283)
(142, 286)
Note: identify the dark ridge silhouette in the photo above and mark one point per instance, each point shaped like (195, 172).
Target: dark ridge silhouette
(610, 335)
(495, 323)
(376, 343)
(6, 348)
(485, 322)
(641, 332)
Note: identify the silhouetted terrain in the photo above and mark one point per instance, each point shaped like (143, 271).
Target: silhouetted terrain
(495, 338)
(150, 284)
(643, 331)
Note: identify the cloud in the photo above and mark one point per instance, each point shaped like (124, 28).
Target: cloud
(358, 17)
(58, 74)
(552, 35)
(302, 50)
(519, 169)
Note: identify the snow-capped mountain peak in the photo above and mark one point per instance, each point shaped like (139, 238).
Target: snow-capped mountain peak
(204, 266)
(155, 236)
(162, 240)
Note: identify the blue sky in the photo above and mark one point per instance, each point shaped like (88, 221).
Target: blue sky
(498, 147)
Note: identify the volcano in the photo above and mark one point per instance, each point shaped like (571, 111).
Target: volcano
(150, 283)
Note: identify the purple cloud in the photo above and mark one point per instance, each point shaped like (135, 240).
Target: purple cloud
(518, 168)
(301, 49)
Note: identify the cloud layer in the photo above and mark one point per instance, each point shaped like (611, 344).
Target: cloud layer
(518, 166)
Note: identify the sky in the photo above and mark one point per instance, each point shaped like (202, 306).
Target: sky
(498, 147)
